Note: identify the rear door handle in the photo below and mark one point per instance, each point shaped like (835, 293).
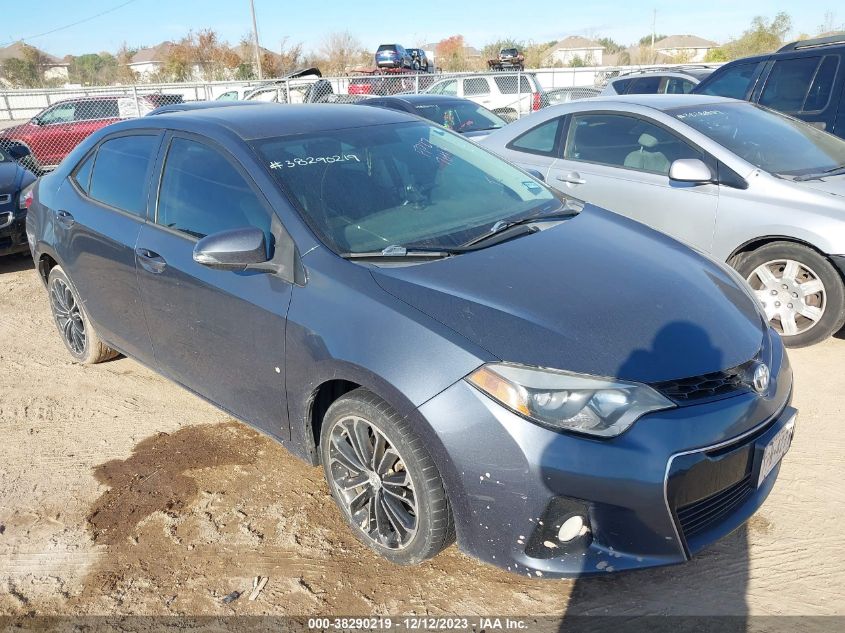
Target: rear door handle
(572, 178)
(150, 261)
(65, 219)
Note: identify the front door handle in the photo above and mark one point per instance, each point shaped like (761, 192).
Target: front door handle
(572, 178)
(150, 261)
(65, 218)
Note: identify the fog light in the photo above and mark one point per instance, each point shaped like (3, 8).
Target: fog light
(571, 528)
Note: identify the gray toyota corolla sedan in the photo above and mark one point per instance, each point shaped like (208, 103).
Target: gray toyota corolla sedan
(467, 353)
(753, 187)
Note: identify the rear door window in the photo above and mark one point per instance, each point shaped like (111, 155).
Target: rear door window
(645, 86)
(476, 86)
(95, 109)
(508, 85)
(678, 86)
(621, 85)
(734, 82)
(789, 83)
(122, 170)
(82, 175)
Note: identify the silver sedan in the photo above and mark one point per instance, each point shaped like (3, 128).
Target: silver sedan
(752, 187)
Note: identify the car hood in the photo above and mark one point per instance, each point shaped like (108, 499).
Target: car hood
(834, 185)
(596, 294)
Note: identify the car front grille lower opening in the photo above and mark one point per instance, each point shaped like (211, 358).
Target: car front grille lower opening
(700, 515)
(717, 384)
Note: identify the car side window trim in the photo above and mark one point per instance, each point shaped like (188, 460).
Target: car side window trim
(92, 153)
(96, 149)
(706, 156)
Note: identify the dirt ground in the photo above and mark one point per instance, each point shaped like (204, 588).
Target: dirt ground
(120, 493)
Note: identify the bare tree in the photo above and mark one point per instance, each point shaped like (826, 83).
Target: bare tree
(340, 50)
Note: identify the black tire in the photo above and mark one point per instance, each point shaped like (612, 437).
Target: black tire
(830, 300)
(434, 527)
(70, 318)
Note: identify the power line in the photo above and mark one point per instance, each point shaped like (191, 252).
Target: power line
(67, 26)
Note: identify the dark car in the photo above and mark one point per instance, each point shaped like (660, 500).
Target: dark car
(466, 352)
(419, 60)
(393, 56)
(804, 79)
(55, 131)
(14, 198)
(460, 115)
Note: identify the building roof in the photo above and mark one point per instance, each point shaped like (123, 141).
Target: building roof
(576, 42)
(683, 41)
(152, 54)
(15, 51)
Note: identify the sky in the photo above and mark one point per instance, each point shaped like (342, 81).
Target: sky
(148, 22)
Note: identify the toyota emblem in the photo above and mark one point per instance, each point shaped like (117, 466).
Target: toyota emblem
(761, 378)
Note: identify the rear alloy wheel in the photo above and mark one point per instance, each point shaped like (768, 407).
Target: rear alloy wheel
(800, 291)
(383, 480)
(76, 330)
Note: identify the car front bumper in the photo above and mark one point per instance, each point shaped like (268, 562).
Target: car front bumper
(676, 481)
(13, 232)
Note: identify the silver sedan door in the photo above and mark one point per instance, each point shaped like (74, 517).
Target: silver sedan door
(621, 162)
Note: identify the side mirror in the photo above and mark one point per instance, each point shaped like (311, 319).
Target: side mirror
(232, 250)
(18, 151)
(536, 174)
(690, 170)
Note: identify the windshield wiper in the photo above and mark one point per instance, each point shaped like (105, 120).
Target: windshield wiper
(499, 228)
(400, 251)
(833, 171)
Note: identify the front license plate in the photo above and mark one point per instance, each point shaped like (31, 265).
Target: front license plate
(775, 450)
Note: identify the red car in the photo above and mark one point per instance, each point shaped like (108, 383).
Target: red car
(56, 130)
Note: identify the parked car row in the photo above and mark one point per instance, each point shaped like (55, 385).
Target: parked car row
(397, 56)
(611, 317)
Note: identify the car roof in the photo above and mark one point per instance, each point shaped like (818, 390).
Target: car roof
(424, 99)
(272, 119)
(695, 73)
(660, 102)
(200, 105)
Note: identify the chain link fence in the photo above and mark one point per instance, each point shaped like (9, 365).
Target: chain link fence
(43, 126)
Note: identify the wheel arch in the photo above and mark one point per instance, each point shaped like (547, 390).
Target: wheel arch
(308, 410)
(755, 243)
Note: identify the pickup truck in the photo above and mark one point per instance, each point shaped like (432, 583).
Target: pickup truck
(508, 59)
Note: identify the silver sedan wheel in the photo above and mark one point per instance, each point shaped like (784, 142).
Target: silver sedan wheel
(372, 483)
(791, 293)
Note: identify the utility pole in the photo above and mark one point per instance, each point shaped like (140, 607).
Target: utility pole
(653, 32)
(255, 39)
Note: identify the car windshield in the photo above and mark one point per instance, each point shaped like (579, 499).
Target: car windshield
(408, 184)
(459, 116)
(769, 140)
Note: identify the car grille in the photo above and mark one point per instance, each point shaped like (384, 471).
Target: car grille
(700, 515)
(717, 384)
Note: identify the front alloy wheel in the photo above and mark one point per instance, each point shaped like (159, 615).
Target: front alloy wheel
(376, 489)
(384, 481)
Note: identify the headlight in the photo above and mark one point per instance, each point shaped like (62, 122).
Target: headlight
(572, 402)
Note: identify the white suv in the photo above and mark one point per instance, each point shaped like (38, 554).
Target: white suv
(507, 94)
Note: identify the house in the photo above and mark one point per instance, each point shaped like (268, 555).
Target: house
(682, 48)
(148, 62)
(574, 49)
(51, 66)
